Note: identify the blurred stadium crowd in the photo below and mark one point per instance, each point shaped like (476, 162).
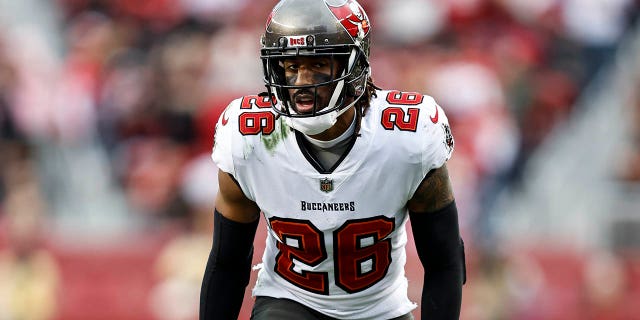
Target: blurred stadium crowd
(107, 113)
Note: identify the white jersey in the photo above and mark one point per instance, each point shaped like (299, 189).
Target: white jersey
(336, 238)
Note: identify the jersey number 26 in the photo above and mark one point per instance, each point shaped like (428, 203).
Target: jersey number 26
(361, 253)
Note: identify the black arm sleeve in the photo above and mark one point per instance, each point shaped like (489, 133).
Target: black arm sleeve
(441, 252)
(228, 268)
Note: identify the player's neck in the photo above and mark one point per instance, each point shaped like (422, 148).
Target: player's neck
(342, 124)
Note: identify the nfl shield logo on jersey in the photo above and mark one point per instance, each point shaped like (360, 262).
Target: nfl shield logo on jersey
(326, 185)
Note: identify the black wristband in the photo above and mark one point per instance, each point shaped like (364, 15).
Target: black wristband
(228, 268)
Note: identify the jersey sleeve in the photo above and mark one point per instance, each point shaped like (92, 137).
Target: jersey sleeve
(439, 142)
(226, 131)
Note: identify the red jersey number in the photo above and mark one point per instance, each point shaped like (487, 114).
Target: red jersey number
(253, 123)
(404, 98)
(302, 241)
(261, 102)
(397, 117)
(362, 255)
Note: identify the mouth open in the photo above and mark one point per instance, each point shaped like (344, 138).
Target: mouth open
(304, 103)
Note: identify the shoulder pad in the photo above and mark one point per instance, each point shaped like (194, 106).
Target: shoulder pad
(419, 113)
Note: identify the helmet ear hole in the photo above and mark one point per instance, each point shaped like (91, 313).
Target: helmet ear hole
(358, 75)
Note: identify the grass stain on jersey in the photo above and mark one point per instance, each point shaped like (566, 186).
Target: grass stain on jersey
(247, 150)
(272, 140)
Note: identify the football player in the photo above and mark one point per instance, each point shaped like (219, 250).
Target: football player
(337, 166)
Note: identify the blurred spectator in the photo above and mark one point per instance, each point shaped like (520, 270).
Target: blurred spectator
(181, 263)
(27, 80)
(629, 166)
(125, 96)
(486, 135)
(508, 285)
(606, 291)
(529, 12)
(181, 70)
(29, 278)
(149, 106)
(214, 9)
(421, 20)
(489, 294)
(234, 60)
(597, 25)
(7, 84)
(151, 171)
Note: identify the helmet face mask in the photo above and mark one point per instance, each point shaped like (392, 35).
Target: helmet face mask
(336, 30)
